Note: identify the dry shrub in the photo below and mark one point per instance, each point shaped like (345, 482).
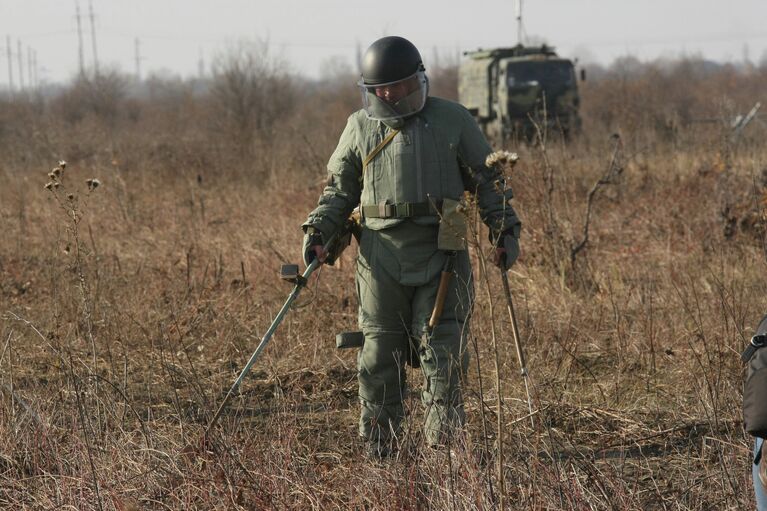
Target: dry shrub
(250, 93)
(666, 100)
(112, 362)
(99, 95)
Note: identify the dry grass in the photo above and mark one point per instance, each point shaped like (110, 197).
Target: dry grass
(111, 362)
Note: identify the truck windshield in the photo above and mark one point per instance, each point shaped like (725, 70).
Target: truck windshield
(546, 73)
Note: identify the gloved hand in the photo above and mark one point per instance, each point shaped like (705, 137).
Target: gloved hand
(506, 251)
(313, 246)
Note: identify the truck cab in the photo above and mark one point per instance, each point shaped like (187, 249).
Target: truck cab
(510, 91)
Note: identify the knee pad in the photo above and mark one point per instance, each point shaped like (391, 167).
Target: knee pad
(381, 366)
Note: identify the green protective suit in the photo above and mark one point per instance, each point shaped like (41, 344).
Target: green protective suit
(438, 154)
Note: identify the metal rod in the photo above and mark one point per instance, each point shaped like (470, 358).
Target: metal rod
(300, 284)
(517, 343)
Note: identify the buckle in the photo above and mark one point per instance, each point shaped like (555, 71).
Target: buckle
(757, 341)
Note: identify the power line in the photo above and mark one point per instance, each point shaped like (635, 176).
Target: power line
(672, 40)
(51, 33)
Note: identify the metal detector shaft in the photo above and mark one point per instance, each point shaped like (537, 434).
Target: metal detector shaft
(517, 343)
(300, 284)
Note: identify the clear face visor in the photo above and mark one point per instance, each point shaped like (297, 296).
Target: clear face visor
(395, 100)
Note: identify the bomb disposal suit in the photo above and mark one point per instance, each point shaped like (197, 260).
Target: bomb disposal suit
(401, 158)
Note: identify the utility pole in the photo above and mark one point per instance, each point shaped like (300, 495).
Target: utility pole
(519, 21)
(21, 65)
(37, 74)
(80, 40)
(10, 62)
(201, 66)
(358, 56)
(29, 68)
(138, 59)
(93, 39)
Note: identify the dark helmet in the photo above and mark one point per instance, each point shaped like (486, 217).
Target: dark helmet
(390, 59)
(393, 84)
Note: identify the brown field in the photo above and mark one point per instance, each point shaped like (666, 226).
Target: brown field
(126, 312)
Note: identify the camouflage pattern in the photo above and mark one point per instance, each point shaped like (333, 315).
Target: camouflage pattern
(504, 87)
(438, 154)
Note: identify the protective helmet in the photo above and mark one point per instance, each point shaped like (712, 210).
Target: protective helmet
(393, 82)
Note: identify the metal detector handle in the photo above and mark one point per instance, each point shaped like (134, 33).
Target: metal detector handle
(300, 284)
(514, 327)
(518, 343)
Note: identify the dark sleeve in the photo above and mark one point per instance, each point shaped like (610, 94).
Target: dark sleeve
(487, 183)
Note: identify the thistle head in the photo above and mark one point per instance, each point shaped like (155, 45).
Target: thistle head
(504, 158)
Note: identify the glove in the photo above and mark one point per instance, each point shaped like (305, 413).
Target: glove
(312, 239)
(506, 251)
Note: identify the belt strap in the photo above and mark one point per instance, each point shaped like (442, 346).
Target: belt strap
(402, 209)
(757, 342)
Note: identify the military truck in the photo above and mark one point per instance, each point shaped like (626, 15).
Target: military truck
(509, 90)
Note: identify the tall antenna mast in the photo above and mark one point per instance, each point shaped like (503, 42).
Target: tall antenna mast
(80, 40)
(93, 39)
(518, 9)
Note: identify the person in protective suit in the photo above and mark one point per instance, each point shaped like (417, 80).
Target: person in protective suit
(759, 474)
(755, 408)
(401, 158)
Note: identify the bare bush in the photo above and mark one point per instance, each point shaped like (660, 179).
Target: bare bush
(661, 98)
(442, 70)
(99, 95)
(251, 91)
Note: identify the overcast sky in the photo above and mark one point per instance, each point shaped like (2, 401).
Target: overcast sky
(174, 35)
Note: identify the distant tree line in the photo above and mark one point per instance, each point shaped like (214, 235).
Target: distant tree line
(253, 114)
